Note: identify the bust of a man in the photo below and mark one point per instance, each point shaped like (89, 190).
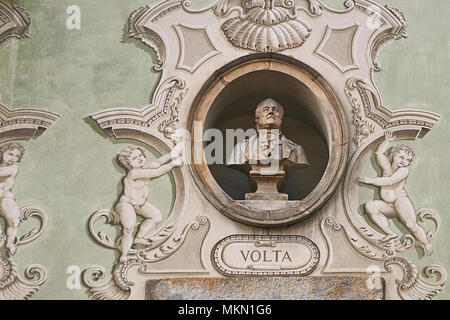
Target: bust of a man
(266, 155)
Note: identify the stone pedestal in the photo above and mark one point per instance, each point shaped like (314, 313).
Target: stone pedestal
(267, 180)
(273, 288)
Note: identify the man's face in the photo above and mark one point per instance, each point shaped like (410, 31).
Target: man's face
(402, 159)
(269, 117)
(11, 156)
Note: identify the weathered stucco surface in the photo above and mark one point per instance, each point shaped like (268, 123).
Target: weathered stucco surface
(312, 288)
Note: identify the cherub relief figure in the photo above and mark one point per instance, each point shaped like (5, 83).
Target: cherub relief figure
(10, 154)
(134, 199)
(395, 202)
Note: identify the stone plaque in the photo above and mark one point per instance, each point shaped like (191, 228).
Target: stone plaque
(266, 255)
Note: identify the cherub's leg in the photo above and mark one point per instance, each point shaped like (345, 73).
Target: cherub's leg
(128, 221)
(379, 211)
(152, 216)
(11, 212)
(408, 216)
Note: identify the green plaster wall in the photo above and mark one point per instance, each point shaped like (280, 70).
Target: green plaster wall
(71, 170)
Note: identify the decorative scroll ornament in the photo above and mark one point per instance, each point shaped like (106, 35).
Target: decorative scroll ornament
(152, 254)
(266, 25)
(14, 24)
(364, 248)
(13, 287)
(150, 39)
(412, 286)
(118, 287)
(392, 34)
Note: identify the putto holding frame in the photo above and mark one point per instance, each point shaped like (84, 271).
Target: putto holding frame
(10, 154)
(134, 199)
(395, 202)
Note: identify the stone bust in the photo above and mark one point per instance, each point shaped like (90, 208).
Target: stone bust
(266, 154)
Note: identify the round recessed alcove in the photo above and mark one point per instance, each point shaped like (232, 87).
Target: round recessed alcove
(313, 118)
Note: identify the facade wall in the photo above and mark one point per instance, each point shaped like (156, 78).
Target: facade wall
(71, 171)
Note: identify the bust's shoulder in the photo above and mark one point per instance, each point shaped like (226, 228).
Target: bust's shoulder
(290, 143)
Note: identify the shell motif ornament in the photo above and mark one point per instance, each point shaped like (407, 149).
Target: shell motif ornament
(267, 26)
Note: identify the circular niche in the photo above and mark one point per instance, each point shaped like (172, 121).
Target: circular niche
(312, 118)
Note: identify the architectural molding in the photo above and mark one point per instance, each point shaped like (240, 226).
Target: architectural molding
(14, 24)
(340, 37)
(24, 123)
(369, 112)
(162, 114)
(202, 45)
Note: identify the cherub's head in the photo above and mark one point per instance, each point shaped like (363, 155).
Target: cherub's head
(269, 115)
(11, 153)
(401, 155)
(132, 157)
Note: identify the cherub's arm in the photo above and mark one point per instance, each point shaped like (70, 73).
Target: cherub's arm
(8, 171)
(176, 152)
(159, 162)
(382, 160)
(398, 176)
(153, 173)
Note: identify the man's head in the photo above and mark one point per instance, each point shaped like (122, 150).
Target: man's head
(402, 155)
(269, 115)
(132, 157)
(12, 152)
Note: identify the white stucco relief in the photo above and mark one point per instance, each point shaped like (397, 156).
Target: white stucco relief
(337, 49)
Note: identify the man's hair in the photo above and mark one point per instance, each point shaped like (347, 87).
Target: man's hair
(271, 102)
(401, 147)
(12, 146)
(125, 154)
(262, 104)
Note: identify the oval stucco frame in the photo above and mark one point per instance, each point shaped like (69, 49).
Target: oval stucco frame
(335, 122)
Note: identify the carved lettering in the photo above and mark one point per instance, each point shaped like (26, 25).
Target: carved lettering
(286, 257)
(245, 256)
(255, 256)
(265, 255)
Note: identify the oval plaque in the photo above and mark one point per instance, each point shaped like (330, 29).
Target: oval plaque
(271, 255)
